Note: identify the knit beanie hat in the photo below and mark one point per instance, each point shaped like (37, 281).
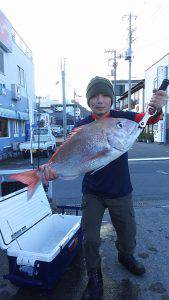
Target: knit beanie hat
(99, 85)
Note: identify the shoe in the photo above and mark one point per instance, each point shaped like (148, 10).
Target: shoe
(94, 289)
(131, 264)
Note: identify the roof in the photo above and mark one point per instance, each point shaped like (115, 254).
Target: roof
(140, 85)
(156, 62)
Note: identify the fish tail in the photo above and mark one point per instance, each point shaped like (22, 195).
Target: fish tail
(30, 178)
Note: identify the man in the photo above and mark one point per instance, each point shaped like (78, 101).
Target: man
(110, 188)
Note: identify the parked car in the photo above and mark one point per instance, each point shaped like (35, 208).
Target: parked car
(43, 141)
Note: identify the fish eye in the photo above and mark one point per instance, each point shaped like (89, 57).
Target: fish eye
(119, 125)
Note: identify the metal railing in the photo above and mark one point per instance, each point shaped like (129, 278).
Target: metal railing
(21, 44)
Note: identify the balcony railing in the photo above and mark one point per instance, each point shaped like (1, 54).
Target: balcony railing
(21, 44)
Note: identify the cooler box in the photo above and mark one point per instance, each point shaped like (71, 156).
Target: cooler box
(40, 245)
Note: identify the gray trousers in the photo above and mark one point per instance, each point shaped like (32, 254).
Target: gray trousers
(122, 216)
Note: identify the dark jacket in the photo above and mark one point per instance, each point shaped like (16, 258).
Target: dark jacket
(114, 179)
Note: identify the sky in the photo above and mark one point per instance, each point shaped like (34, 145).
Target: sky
(80, 31)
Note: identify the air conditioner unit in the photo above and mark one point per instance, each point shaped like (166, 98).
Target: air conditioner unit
(16, 92)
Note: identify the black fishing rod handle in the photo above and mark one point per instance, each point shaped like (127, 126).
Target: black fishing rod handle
(164, 85)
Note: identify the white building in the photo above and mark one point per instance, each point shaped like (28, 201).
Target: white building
(17, 91)
(154, 76)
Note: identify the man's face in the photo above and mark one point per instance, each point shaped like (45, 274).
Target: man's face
(100, 104)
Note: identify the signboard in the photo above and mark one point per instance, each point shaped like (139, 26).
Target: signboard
(44, 117)
(5, 33)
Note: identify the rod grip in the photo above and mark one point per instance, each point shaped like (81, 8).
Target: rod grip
(164, 85)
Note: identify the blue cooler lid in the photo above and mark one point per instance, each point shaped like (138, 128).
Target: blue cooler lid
(18, 214)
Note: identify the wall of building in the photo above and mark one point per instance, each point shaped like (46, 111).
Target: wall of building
(153, 78)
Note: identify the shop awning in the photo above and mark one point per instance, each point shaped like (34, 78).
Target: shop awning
(7, 113)
(22, 116)
(12, 114)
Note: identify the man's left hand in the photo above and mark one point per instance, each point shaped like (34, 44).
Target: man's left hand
(158, 100)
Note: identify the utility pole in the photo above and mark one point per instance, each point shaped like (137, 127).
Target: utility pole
(64, 99)
(74, 105)
(39, 98)
(128, 55)
(113, 71)
(114, 68)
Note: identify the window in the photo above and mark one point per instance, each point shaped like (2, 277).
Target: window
(41, 131)
(4, 131)
(120, 89)
(16, 129)
(155, 83)
(21, 76)
(1, 62)
(23, 128)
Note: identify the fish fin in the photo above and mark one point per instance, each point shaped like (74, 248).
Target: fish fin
(30, 178)
(74, 132)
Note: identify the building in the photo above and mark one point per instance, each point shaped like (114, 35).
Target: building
(137, 98)
(121, 88)
(17, 92)
(141, 94)
(52, 114)
(154, 76)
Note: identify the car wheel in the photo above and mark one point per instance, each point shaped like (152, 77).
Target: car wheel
(47, 153)
(53, 150)
(25, 155)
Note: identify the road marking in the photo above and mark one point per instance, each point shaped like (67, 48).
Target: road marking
(148, 158)
(7, 172)
(162, 172)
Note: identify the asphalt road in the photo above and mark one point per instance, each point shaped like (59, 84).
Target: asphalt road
(150, 178)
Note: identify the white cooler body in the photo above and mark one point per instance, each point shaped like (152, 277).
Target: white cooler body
(39, 244)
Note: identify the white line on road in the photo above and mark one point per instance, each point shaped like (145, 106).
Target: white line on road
(7, 172)
(148, 158)
(162, 172)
